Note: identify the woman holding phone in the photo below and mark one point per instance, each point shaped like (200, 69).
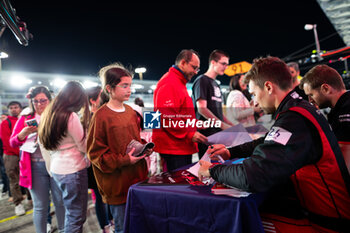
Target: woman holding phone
(33, 172)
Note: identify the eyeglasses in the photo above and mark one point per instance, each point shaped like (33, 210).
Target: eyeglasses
(124, 86)
(223, 63)
(196, 68)
(41, 101)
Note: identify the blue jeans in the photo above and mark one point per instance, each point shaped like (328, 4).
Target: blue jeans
(118, 212)
(74, 189)
(42, 183)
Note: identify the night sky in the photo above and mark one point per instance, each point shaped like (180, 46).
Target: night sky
(79, 37)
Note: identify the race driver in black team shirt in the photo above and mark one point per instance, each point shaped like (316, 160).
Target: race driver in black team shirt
(300, 147)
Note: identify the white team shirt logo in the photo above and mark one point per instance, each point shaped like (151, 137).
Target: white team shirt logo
(217, 92)
(279, 135)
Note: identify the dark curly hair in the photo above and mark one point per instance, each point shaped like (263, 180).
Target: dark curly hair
(34, 91)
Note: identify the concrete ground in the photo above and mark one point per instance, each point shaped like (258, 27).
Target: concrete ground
(10, 223)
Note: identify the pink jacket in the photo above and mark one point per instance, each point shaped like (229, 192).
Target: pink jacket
(25, 168)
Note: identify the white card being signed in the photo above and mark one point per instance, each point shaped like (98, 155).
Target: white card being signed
(195, 168)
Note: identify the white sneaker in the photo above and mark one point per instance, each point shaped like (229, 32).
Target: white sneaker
(48, 228)
(112, 227)
(19, 210)
(108, 229)
(3, 195)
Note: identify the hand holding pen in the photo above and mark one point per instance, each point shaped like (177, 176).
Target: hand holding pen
(218, 152)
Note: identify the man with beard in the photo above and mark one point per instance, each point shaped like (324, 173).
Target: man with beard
(325, 88)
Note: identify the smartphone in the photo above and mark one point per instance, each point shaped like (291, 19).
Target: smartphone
(32, 122)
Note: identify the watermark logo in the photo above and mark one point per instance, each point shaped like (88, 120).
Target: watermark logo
(151, 120)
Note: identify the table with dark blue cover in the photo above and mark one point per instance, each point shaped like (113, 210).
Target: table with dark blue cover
(186, 208)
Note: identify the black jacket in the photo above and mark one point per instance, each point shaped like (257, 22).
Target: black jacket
(339, 118)
(292, 143)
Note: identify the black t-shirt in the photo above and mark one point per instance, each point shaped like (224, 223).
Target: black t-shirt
(207, 89)
(339, 118)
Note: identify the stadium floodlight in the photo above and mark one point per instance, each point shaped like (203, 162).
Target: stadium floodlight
(3, 55)
(309, 27)
(89, 83)
(19, 81)
(59, 83)
(137, 86)
(140, 71)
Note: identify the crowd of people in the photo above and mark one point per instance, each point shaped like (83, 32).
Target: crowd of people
(79, 139)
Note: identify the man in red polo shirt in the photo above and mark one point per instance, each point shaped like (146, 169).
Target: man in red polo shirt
(176, 144)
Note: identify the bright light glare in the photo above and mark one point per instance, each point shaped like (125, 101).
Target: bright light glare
(153, 87)
(59, 83)
(88, 84)
(19, 81)
(140, 70)
(3, 55)
(136, 86)
(149, 105)
(308, 27)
